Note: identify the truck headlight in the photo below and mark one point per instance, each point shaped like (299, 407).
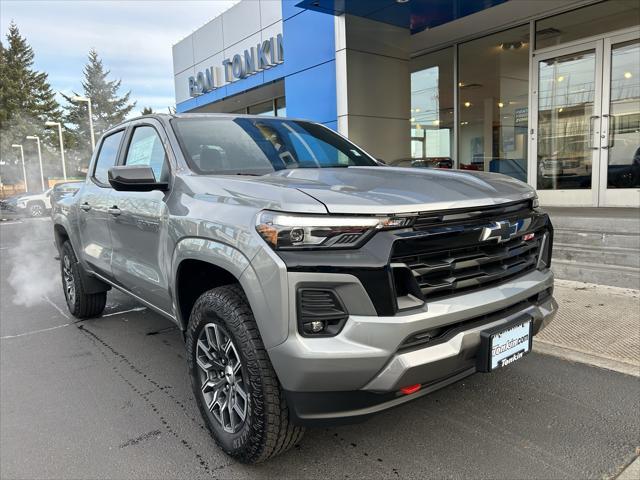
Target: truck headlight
(291, 231)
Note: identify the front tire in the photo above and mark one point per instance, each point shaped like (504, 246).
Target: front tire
(80, 303)
(236, 388)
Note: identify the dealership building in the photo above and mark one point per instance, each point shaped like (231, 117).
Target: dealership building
(545, 91)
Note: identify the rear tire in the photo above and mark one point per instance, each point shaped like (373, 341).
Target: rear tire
(80, 303)
(257, 426)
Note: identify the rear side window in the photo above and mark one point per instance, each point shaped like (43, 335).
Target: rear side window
(107, 156)
(146, 149)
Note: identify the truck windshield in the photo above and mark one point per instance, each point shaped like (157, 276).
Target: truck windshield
(257, 146)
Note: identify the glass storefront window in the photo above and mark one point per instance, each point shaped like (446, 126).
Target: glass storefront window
(587, 21)
(624, 127)
(432, 118)
(566, 96)
(493, 96)
(281, 107)
(264, 108)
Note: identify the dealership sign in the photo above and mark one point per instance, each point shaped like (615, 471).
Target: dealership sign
(266, 54)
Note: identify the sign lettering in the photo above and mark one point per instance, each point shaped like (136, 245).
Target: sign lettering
(263, 56)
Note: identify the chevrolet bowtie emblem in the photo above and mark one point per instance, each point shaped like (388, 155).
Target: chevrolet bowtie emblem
(499, 231)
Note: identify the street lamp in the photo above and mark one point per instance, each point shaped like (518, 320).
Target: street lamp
(78, 98)
(37, 139)
(59, 125)
(24, 170)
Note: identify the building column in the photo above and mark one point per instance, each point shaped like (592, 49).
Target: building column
(373, 86)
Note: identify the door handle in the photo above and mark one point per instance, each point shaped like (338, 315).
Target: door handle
(591, 119)
(85, 206)
(115, 211)
(611, 133)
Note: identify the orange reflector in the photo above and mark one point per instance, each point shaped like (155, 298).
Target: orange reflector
(411, 389)
(528, 236)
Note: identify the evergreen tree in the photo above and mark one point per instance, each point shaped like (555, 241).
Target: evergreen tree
(108, 107)
(146, 111)
(23, 90)
(26, 101)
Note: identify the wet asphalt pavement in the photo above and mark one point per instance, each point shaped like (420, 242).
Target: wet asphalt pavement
(110, 398)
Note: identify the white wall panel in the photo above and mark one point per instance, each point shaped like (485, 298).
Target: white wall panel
(270, 12)
(240, 21)
(383, 138)
(183, 55)
(387, 40)
(377, 85)
(182, 84)
(240, 47)
(214, 61)
(208, 40)
(271, 31)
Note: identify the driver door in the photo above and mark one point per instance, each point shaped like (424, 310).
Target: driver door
(137, 221)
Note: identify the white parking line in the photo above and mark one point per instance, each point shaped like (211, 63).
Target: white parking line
(10, 223)
(35, 331)
(137, 309)
(57, 308)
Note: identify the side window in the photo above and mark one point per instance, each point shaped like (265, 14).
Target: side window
(146, 149)
(107, 156)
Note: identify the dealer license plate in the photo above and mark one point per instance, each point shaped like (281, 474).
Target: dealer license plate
(510, 345)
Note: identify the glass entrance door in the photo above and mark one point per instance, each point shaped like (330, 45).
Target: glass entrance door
(586, 137)
(620, 147)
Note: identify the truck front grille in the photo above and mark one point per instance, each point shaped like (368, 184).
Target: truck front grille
(452, 258)
(451, 271)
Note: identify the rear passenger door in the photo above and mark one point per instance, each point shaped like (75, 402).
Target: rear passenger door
(94, 204)
(141, 247)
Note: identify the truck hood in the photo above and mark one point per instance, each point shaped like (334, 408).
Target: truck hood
(387, 190)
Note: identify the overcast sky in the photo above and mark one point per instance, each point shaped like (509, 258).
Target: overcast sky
(133, 38)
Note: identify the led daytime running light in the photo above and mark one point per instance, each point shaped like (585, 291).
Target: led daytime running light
(290, 232)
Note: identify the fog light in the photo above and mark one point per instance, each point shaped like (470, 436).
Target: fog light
(314, 327)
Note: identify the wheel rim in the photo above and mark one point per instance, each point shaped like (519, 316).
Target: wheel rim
(222, 379)
(67, 278)
(36, 210)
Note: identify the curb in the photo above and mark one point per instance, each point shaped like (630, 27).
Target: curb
(582, 357)
(631, 472)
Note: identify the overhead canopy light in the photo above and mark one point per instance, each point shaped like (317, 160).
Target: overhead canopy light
(517, 45)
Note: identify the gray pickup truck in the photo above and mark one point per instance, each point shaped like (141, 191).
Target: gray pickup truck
(313, 284)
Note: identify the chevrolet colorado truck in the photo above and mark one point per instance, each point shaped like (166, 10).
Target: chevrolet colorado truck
(313, 284)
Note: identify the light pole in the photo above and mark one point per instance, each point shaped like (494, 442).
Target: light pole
(24, 170)
(37, 139)
(59, 125)
(78, 98)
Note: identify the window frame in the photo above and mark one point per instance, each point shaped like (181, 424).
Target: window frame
(129, 139)
(94, 167)
(170, 157)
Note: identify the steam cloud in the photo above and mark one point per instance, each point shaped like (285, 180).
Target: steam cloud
(33, 271)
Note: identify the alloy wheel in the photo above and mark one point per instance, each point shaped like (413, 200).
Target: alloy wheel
(222, 379)
(67, 277)
(36, 210)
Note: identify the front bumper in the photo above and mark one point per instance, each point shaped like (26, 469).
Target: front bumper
(360, 371)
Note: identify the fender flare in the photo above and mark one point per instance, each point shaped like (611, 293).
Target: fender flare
(235, 262)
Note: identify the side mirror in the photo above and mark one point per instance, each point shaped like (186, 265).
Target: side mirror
(134, 178)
